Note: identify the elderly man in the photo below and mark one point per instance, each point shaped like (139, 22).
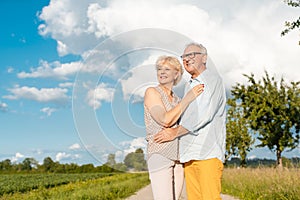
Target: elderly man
(202, 130)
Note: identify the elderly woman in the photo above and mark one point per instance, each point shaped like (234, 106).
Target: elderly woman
(162, 109)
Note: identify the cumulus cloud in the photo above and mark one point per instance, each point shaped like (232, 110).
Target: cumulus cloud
(61, 156)
(106, 21)
(3, 107)
(129, 147)
(101, 93)
(17, 157)
(75, 146)
(52, 70)
(139, 79)
(45, 95)
(237, 42)
(66, 22)
(48, 110)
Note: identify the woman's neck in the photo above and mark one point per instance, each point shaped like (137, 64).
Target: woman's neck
(167, 89)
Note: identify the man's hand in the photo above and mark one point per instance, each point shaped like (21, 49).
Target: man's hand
(166, 135)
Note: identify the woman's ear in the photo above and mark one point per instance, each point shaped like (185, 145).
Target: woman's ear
(177, 74)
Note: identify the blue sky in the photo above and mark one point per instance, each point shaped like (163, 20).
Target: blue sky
(73, 73)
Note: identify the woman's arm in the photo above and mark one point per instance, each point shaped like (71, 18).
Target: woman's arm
(154, 104)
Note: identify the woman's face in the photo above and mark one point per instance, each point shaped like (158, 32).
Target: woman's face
(166, 74)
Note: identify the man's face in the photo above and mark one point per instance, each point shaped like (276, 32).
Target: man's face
(193, 59)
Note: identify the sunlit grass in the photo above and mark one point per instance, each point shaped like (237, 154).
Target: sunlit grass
(114, 187)
(262, 183)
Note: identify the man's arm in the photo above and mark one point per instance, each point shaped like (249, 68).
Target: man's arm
(169, 134)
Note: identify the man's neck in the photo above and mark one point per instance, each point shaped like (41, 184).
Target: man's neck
(202, 69)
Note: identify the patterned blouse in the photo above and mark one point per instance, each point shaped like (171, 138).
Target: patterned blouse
(168, 149)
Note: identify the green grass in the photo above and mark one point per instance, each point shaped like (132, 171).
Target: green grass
(12, 183)
(262, 183)
(118, 186)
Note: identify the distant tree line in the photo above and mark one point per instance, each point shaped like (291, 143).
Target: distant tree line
(133, 162)
(264, 162)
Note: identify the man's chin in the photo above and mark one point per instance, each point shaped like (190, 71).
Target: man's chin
(189, 68)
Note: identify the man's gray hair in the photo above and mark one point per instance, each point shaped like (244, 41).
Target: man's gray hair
(202, 48)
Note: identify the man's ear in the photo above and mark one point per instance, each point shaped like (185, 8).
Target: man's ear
(204, 58)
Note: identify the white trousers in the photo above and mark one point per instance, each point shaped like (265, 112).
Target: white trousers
(166, 177)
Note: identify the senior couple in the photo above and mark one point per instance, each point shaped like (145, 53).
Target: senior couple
(186, 137)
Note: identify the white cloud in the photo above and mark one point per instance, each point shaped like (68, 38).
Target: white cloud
(101, 93)
(75, 146)
(66, 22)
(61, 156)
(240, 37)
(52, 70)
(3, 107)
(48, 110)
(138, 79)
(17, 157)
(120, 16)
(66, 85)
(67, 157)
(10, 70)
(62, 23)
(62, 48)
(54, 95)
(129, 147)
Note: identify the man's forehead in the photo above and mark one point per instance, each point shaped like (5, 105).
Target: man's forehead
(191, 48)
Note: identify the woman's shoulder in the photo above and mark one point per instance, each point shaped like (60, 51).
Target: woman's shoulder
(153, 89)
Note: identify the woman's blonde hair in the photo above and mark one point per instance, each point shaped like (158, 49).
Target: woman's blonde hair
(172, 61)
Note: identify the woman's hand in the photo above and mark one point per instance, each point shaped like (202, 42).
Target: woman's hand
(193, 93)
(166, 135)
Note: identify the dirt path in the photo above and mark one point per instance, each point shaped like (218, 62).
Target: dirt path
(146, 194)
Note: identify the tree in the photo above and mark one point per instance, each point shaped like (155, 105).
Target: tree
(48, 164)
(238, 136)
(135, 160)
(6, 165)
(111, 160)
(29, 163)
(87, 168)
(291, 25)
(273, 111)
(120, 167)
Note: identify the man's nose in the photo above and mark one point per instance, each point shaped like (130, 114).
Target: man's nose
(185, 61)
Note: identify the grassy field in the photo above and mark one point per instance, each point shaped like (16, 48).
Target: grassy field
(21, 183)
(112, 187)
(247, 184)
(262, 183)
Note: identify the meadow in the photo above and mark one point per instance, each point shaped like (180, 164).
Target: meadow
(262, 183)
(71, 186)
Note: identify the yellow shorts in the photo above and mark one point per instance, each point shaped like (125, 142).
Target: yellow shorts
(203, 179)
